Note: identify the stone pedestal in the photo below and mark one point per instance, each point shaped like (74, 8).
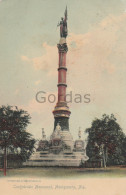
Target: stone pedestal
(60, 150)
(63, 159)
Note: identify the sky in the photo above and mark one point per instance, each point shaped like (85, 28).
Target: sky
(96, 59)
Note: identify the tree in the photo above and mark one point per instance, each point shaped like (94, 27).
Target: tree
(106, 141)
(13, 134)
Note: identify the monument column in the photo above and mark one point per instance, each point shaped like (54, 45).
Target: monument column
(61, 111)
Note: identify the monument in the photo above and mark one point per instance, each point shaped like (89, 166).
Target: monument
(60, 149)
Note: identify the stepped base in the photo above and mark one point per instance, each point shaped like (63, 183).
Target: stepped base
(68, 159)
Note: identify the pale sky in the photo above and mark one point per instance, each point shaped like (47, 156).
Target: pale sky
(96, 59)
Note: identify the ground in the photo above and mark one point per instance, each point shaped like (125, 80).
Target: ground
(66, 172)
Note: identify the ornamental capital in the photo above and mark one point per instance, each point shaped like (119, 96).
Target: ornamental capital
(62, 48)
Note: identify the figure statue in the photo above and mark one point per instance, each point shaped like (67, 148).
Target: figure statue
(79, 133)
(43, 134)
(63, 25)
(58, 127)
(56, 133)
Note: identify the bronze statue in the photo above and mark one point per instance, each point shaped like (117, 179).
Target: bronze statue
(63, 26)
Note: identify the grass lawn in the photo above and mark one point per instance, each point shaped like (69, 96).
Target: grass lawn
(66, 172)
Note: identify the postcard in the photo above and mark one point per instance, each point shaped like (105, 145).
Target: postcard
(62, 97)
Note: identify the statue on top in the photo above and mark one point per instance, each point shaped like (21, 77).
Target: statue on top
(63, 25)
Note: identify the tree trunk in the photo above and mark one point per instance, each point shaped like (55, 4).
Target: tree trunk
(104, 159)
(5, 160)
(101, 163)
(106, 154)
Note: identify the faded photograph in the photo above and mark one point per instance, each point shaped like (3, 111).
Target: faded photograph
(63, 91)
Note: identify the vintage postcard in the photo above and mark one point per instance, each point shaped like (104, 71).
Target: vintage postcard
(62, 97)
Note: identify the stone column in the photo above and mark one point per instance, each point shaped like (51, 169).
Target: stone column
(61, 111)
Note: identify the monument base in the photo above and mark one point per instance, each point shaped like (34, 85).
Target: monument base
(42, 159)
(60, 151)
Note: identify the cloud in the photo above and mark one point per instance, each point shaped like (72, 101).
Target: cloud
(37, 82)
(96, 59)
(25, 58)
(94, 48)
(46, 62)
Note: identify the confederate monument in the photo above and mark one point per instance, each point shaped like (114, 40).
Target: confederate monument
(60, 149)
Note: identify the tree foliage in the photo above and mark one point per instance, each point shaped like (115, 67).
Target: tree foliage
(13, 134)
(106, 141)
